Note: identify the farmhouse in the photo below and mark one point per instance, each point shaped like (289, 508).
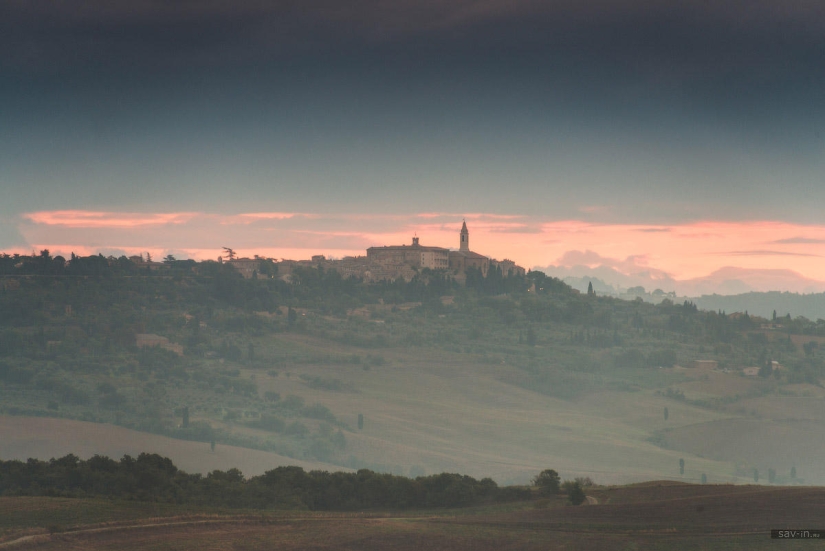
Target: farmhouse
(144, 340)
(705, 364)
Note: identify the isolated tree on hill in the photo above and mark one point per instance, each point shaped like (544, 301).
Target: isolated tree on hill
(168, 259)
(576, 494)
(230, 253)
(766, 369)
(547, 481)
(681, 466)
(756, 475)
(666, 413)
(590, 291)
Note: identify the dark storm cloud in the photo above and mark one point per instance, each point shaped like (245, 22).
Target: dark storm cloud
(689, 36)
(640, 108)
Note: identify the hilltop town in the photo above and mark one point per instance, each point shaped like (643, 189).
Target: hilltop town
(389, 262)
(401, 261)
(383, 263)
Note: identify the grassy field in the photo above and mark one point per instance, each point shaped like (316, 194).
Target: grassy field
(425, 413)
(44, 438)
(652, 516)
(449, 412)
(429, 411)
(499, 386)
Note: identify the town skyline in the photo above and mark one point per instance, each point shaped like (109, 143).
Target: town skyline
(567, 247)
(673, 140)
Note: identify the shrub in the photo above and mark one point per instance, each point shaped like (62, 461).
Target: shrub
(293, 403)
(576, 494)
(584, 481)
(318, 411)
(298, 429)
(270, 423)
(547, 481)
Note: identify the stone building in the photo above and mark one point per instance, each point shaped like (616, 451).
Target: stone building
(414, 256)
(405, 261)
(464, 258)
(148, 340)
(247, 267)
(509, 268)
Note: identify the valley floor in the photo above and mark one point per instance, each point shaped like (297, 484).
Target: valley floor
(657, 515)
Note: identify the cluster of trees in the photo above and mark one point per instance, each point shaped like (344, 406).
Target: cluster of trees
(150, 477)
(326, 291)
(549, 483)
(634, 357)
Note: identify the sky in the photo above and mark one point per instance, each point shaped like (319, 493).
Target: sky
(667, 139)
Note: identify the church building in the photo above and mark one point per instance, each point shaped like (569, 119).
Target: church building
(435, 258)
(415, 255)
(464, 258)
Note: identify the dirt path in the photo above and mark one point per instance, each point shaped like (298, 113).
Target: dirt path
(592, 500)
(43, 538)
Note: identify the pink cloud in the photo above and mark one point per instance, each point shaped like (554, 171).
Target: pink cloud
(681, 251)
(94, 219)
(695, 249)
(629, 265)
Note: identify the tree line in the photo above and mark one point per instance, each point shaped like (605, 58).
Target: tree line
(151, 477)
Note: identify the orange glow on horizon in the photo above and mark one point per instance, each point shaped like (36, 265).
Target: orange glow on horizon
(679, 251)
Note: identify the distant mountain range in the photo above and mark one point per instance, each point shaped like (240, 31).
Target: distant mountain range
(730, 289)
(724, 281)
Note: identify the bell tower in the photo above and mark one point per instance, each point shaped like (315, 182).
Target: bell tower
(465, 238)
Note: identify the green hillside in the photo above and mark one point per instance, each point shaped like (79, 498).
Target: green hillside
(499, 378)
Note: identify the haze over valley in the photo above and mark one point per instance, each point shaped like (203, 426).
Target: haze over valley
(395, 275)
